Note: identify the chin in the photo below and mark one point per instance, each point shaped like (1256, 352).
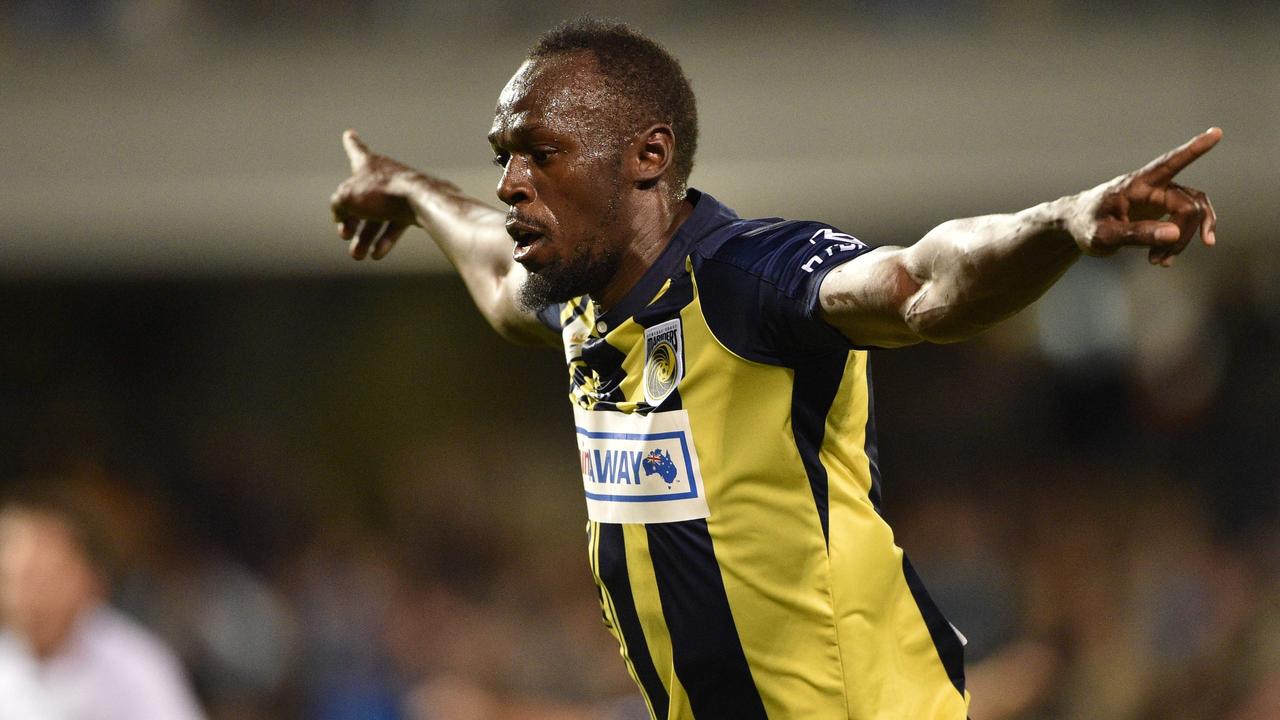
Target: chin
(585, 272)
(546, 286)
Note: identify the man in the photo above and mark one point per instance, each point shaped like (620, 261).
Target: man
(719, 377)
(64, 653)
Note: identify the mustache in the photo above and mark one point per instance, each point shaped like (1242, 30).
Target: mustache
(525, 221)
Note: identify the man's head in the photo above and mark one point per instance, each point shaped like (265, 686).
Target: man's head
(51, 568)
(596, 134)
(644, 85)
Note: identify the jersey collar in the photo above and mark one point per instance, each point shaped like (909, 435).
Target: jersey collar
(708, 214)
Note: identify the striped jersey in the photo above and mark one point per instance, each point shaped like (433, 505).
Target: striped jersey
(729, 465)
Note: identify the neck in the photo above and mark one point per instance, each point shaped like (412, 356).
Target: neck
(649, 222)
(55, 634)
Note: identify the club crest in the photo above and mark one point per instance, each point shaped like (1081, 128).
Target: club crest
(663, 360)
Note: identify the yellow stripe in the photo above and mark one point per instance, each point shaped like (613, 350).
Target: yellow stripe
(611, 613)
(644, 591)
(891, 667)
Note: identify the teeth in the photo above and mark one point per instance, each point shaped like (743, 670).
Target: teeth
(524, 243)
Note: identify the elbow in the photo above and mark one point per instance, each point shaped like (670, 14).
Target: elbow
(520, 327)
(510, 320)
(935, 320)
(935, 330)
(517, 330)
(942, 335)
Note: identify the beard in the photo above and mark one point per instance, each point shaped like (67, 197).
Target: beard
(582, 274)
(590, 268)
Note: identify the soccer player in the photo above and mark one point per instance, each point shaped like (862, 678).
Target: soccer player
(718, 374)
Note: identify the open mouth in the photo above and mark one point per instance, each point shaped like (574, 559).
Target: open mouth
(526, 239)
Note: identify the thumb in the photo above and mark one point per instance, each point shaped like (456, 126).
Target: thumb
(357, 151)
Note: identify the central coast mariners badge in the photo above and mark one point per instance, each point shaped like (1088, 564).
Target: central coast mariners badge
(663, 360)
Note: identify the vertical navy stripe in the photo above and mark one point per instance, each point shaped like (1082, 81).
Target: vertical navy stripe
(945, 640)
(812, 393)
(869, 444)
(706, 651)
(612, 566)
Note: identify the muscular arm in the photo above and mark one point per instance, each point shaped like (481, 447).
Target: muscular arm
(966, 275)
(384, 197)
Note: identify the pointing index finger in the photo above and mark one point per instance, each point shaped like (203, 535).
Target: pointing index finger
(357, 151)
(1164, 168)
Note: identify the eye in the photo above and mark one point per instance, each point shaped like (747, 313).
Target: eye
(541, 156)
(500, 159)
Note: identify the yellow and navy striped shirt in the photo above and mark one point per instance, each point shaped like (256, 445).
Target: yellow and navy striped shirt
(729, 465)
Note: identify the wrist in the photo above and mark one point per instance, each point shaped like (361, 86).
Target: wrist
(422, 193)
(1065, 220)
(1078, 214)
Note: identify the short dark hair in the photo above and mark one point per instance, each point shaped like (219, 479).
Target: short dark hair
(647, 80)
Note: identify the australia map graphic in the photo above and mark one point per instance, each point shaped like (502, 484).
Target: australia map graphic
(659, 462)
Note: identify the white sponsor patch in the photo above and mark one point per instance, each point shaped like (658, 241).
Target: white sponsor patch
(639, 468)
(663, 360)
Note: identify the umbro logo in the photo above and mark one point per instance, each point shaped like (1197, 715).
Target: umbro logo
(840, 242)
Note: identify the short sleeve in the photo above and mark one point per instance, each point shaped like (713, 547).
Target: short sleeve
(759, 289)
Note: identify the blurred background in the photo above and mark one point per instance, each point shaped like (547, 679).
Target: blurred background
(337, 495)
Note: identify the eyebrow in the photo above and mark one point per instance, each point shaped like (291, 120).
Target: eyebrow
(517, 133)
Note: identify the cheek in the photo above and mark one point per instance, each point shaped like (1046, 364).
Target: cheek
(575, 199)
(584, 182)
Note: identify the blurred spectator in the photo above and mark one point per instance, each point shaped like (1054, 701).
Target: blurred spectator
(65, 654)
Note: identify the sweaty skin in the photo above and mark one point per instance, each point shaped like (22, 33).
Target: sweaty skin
(590, 210)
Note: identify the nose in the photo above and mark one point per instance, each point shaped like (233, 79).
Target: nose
(515, 187)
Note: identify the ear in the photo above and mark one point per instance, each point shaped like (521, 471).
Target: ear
(650, 154)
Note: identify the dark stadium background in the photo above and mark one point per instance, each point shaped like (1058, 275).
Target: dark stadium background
(338, 495)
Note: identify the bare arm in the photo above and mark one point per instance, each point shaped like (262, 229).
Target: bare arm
(966, 275)
(383, 198)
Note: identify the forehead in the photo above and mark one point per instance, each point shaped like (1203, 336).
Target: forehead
(23, 531)
(564, 93)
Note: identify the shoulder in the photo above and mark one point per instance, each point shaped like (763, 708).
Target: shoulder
(133, 658)
(787, 254)
(758, 282)
(23, 696)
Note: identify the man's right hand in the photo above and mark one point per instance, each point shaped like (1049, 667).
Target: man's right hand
(383, 197)
(372, 207)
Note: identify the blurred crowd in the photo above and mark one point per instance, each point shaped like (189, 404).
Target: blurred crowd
(427, 617)
(332, 512)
